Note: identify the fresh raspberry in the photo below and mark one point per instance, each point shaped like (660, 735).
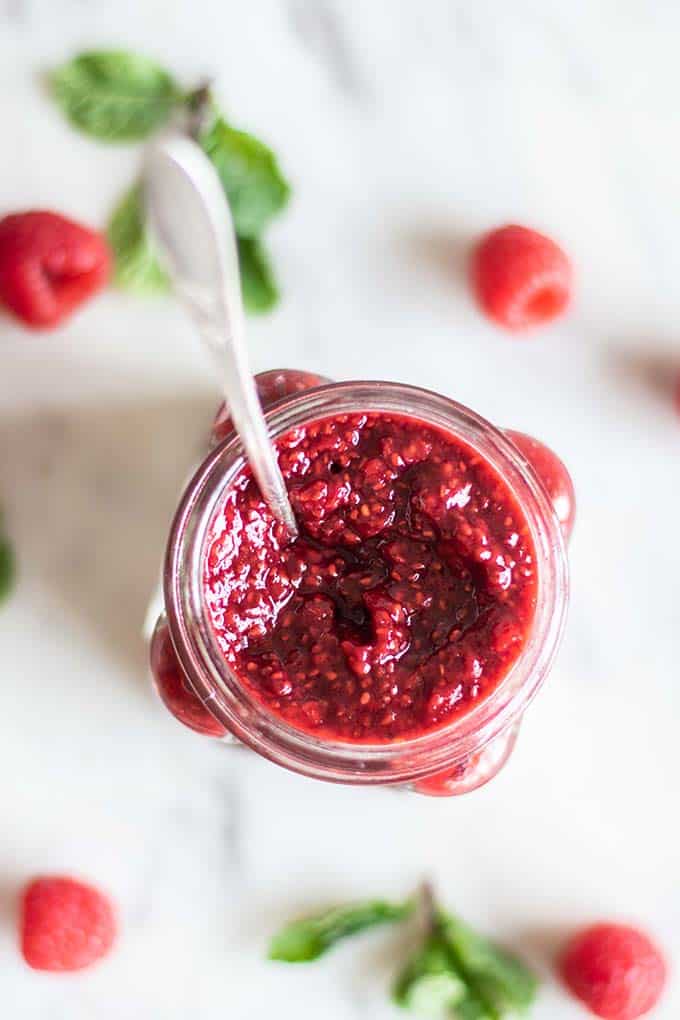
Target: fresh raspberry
(615, 970)
(554, 476)
(521, 278)
(48, 266)
(173, 688)
(65, 924)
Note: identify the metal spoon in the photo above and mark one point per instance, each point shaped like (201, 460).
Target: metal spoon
(191, 220)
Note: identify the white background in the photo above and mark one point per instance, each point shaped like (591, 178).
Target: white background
(406, 128)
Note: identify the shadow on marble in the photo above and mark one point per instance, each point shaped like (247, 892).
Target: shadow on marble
(264, 919)
(444, 254)
(657, 372)
(89, 492)
(384, 955)
(322, 32)
(541, 946)
(10, 896)
(271, 916)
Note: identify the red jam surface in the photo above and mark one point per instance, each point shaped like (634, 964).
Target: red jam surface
(405, 600)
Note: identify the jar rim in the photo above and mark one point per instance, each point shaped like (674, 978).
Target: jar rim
(220, 689)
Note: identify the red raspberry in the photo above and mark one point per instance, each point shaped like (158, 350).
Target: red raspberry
(554, 476)
(65, 924)
(173, 689)
(615, 970)
(521, 278)
(48, 266)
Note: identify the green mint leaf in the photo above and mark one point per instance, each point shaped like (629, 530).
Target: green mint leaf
(113, 95)
(497, 980)
(250, 176)
(434, 994)
(472, 1008)
(260, 292)
(136, 266)
(7, 568)
(428, 985)
(311, 937)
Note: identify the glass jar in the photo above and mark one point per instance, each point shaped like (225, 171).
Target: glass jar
(197, 684)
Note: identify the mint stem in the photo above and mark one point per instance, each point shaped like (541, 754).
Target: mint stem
(428, 907)
(199, 103)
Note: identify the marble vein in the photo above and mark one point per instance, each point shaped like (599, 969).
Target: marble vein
(320, 28)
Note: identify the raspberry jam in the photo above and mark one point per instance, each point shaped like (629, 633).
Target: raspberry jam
(407, 597)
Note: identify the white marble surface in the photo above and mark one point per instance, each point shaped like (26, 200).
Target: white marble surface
(407, 127)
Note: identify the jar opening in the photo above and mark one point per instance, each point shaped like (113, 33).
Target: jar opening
(337, 760)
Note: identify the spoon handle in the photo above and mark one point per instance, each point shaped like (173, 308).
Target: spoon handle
(246, 414)
(191, 219)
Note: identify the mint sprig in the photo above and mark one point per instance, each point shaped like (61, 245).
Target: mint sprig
(309, 938)
(117, 96)
(114, 95)
(454, 973)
